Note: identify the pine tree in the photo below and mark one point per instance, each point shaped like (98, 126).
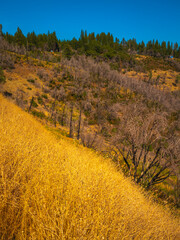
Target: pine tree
(19, 37)
(53, 42)
(163, 48)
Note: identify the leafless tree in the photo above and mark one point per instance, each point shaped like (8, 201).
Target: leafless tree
(71, 122)
(79, 125)
(140, 144)
(31, 103)
(62, 119)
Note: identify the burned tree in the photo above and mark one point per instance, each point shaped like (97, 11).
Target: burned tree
(140, 146)
(31, 103)
(62, 120)
(79, 125)
(71, 122)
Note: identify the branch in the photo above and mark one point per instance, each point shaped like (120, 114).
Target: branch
(150, 165)
(125, 158)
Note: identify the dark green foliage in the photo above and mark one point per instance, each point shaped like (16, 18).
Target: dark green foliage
(102, 44)
(44, 96)
(150, 75)
(67, 52)
(40, 101)
(34, 104)
(52, 82)
(7, 94)
(31, 80)
(2, 76)
(38, 114)
(52, 42)
(19, 37)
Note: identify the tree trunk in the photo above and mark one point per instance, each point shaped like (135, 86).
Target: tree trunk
(31, 104)
(71, 122)
(79, 125)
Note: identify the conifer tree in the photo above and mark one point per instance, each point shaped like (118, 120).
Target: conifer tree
(19, 37)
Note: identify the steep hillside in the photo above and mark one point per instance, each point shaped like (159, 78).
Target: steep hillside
(106, 106)
(54, 189)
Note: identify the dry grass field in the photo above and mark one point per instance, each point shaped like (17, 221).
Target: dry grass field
(55, 189)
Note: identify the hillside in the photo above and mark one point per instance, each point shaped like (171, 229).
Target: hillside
(125, 112)
(56, 189)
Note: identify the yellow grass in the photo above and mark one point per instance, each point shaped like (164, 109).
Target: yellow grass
(52, 189)
(168, 77)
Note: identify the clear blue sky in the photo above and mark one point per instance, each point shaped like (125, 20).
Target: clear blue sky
(143, 20)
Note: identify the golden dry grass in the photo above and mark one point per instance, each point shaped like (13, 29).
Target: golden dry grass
(167, 78)
(53, 189)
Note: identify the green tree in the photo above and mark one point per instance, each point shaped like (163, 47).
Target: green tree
(32, 40)
(169, 49)
(68, 52)
(163, 48)
(19, 37)
(175, 50)
(52, 42)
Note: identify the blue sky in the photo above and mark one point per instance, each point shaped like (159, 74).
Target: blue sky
(143, 20)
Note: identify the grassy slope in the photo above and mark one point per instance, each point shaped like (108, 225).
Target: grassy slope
(52, 189)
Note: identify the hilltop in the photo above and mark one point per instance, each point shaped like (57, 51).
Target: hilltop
(54, 188)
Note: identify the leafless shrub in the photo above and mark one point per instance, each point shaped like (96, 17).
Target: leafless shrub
(59, 95)
(46, 90)
(37, 84)
(6, 60)
(19, 98)
(89, 139)
(4, 45)
(87, 106)
(42, 74)
(100, 72)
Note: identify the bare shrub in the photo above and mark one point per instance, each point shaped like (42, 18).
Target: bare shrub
(6, 60)
(143, 146)
(42, 74)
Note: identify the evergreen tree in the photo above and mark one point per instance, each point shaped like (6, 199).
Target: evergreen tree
(32, 40)
(124, 43)
(52, 42)
(169, 49)
(163, 48)
(19, 37)
(175, 50)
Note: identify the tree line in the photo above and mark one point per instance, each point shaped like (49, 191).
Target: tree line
(105, 45)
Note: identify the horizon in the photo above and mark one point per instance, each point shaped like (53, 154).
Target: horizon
(143, 21)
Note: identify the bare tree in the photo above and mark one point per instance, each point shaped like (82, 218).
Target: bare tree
(31, 103)
(71, 122)
(79, 125)
(140, 145)
(62, 121)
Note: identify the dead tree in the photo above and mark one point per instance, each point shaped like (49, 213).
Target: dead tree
(140, 146)
(53, 108)
(32, 100)
(79, 125)
(63, 115)
(71, 122)
(55, 118)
